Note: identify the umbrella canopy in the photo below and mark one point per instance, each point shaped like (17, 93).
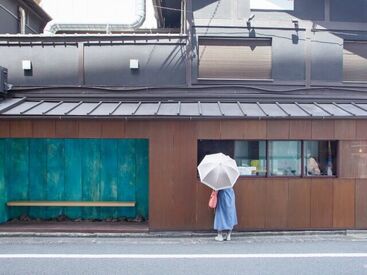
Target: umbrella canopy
(218, 171)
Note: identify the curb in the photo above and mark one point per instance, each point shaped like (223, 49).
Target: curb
(177, 234)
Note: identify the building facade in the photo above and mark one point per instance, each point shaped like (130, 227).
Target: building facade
(278, 85)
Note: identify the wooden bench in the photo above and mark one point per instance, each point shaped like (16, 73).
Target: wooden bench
(73, 203)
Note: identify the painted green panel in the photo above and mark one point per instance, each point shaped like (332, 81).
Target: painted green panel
(91, 175)
(126, 175)
(108, 182)
(142, 177)
(73, 177)
(37, 175)
(55, 174)
(3, 192)
(16, 174)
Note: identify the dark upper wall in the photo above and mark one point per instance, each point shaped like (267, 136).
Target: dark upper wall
(36, 19)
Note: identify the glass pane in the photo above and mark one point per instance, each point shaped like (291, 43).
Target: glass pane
(285, 158)
(250, 157)
(320, 158)
(206, 147)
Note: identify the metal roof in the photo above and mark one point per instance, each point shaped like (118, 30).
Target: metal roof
(23, 107)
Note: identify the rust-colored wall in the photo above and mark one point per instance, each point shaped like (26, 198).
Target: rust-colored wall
(178, 201)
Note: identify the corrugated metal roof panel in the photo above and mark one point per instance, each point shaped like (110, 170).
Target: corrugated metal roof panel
(83, 109)
(168, 109)
(273, 110)
(126, 109)
(147, 109)
(17, 110)
(314, 110)
(104, 109)
(189, 109)
(294, 110)
(63, 108)
(210, 109)
(252, 110)
(8, 103)
(334, 110)
(354, 109)
(231, 109)
(40, 109)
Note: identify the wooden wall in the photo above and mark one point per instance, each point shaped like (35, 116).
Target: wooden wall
(177, 201)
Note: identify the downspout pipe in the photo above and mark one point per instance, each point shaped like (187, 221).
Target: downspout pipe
(54, 27)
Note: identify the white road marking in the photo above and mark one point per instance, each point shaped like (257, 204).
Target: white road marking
(182, 256)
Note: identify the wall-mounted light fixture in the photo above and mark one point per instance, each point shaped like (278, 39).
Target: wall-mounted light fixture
(134, 64)
(295, 22)
(26, 65)
(248, 22)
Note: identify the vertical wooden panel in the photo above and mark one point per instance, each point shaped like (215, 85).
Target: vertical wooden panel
(126, 175)
(321, 203)
(361, 129)
(90, 129)
(66, 129)
(208, 129)
(109, 178)
(276, 203)
(161, 161)
(278, 129)
(73, 176)
(4, 128)
(232, 129)
(251, 203)
(300, 129)
(44, 128)
(137, 129)
(113, 129)
(16, 173)
(254, 129)
(55, 174)
(37, 175)
(21, 128)
(91, 175)
(345, 129)
(361, 204)
(299, 203)
(3, 187)
(204, 216)
(142, 177)
(343, 204)
(323, 129)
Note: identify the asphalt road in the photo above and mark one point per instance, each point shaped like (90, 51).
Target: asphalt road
(315, 254)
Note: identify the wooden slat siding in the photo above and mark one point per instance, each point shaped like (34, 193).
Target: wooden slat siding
(126, 175)
(113, 129)
(204, 216)
(323, 129)
(73, 176)
(184, 174)
(232, 129)
(355, 61)
(300, 129)
(109, 179)
(44, 128)
(142, 177)
(137, 129)
(299, 200)
(72, 203)
(251, 203)
(67, 129)
(277, 129)
(37, 175)
(361, 129)
(235, 59)
(55, 174)
(3, 187)
(16, 173)
(91, 174)
(4, 128)
(276, 204)
(345, 129)
(321, 203)
(21, 128)
(254, 129)
(344, 204)
(90, 129)
(361, 204)
(208, 129)
(162, 184)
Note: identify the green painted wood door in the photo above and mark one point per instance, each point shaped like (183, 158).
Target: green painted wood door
(74, 169)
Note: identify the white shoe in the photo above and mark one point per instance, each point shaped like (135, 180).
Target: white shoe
(219, 238)
(228, 238)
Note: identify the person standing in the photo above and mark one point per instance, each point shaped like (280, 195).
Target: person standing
(225, 214)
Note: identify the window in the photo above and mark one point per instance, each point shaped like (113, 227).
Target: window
(355, 61)
(235, 59)
(272, 5)
(285, 158)
(289, 158)
(319, 158)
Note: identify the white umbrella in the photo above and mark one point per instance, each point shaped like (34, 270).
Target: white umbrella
(218, 171)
